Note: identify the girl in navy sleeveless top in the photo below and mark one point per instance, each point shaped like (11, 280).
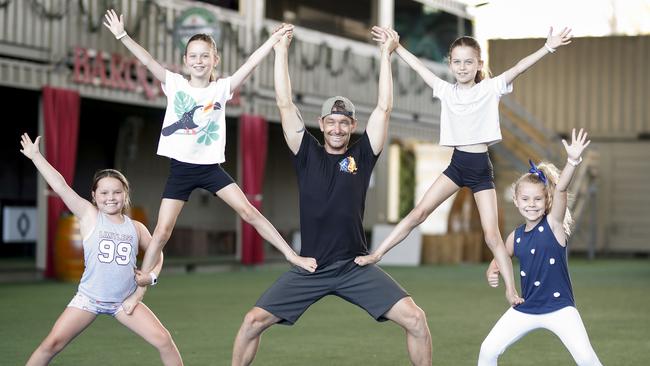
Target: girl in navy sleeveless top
(540, 245)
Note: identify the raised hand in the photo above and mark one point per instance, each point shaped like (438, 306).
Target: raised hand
(561, 39)
(114, 23)
(386, 37)
(578, 144)
(307, 263)
(30, 149)
(392, 41)
(280, 31)
(284, 41)
(365, 260)
(378, 34)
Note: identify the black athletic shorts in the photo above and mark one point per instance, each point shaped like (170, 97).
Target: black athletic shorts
(473, 170)
(185, 177)
(368, 287)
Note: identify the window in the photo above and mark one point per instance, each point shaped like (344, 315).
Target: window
(228, 4)
(426, 31)
(350, 19)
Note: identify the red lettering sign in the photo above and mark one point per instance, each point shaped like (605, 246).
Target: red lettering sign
(81, 65)
(115, 72)
(122, 73)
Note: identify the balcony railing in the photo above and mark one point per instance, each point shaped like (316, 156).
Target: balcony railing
(67, 39)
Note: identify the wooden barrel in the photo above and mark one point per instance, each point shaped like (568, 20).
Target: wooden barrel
(138, 213)
(68, 250)
(442, 249)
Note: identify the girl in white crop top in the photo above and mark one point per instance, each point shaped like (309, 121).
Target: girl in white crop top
(469, 121)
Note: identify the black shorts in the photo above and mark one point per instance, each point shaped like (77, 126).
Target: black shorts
(185, 177)
(368, 287)
(473, 170)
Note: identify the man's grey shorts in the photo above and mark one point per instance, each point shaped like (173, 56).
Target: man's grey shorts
(368, 287)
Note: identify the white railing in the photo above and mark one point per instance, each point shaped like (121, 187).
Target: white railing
(322, 65)
(43, 32)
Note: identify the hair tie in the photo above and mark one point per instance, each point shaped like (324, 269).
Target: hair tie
(535, 170)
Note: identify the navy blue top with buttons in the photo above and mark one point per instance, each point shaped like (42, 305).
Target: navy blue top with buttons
(545, 282)
(332, 190)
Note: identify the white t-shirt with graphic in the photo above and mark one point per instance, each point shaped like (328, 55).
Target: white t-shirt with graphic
(470, 116)
(194, 128)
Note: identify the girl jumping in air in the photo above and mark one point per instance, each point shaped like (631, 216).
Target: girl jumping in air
(541, 247)
(469, 121)
(193, 137)
(110, 243)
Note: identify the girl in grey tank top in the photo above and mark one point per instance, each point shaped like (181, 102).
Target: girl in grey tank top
(111, 241)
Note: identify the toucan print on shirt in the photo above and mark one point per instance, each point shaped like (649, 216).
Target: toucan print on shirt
(195, 120)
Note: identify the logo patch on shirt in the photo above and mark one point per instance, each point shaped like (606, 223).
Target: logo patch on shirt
(348, 165)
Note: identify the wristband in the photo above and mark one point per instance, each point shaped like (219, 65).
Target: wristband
(548, 48)
(154, 279)
(574, 162)
(121, 35)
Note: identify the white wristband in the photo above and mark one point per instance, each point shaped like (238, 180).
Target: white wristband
(548, 48)
(154, 279)
(121, 35)
(574, 162)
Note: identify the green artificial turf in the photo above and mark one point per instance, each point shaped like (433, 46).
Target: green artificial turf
(203, 313)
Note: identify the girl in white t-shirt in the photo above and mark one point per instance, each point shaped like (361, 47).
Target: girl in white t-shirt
(193, 136)
(469, 121)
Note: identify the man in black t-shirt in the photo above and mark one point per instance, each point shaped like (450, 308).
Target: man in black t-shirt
(332, 182)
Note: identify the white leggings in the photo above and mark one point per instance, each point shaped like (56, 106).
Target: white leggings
(565, 323)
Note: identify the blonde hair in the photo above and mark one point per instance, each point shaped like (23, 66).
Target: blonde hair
(552, 174)
(112, 173)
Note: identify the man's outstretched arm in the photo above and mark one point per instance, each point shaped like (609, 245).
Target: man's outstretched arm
(293, 126)
(377, 128)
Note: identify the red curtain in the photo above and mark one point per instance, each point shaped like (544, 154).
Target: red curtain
(61, 115)
(253, 139)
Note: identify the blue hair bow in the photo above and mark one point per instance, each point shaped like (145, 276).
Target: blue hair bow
(535, 170)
